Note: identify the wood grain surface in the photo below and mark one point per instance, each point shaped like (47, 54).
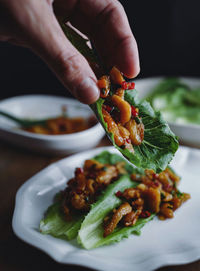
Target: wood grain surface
(17, 166)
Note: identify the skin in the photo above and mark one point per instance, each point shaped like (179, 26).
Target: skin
(33, 24)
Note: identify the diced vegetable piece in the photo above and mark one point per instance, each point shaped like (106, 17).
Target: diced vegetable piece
(124, 108)
(116, 76)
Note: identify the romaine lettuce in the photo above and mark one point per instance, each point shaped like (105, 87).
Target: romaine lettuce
(90, 234)
(56, 225)
(90, 227)
(159, 144)
(177, 102)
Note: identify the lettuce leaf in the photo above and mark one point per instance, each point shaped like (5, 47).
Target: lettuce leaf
(167, 85)
(159, 144)
(54, 222)
(91, 227)
(90, 234)
(106, 157)
(177, 102)
(124, 232)
(56, 225)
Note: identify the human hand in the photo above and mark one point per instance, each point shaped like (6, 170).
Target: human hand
(33, 23)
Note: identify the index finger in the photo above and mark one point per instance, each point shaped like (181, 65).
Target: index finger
(106, 23)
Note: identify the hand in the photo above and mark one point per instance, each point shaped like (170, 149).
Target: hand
(32, 23)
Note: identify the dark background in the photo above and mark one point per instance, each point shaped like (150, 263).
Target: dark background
(168, 37)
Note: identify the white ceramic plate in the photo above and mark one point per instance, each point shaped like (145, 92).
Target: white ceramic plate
(187, 133)
(174, 241)
(46, 106)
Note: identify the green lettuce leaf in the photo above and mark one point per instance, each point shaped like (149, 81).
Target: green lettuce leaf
(56, 225)
(106, 157)
(54, 222)
(167, 85)
(193, 97)
(159, 144)
(90, 234)
(177, 102)
(124, 232)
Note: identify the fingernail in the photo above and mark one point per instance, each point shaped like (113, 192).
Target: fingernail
(87, 91)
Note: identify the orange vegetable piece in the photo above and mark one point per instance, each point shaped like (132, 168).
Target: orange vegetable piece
(116, 76)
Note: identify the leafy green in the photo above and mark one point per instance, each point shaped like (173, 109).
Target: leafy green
(159, 144)
(124, 232)
(106, 157)
(177, 102)
(179, 194)
(193, 97)
(166, 85)
(90, 234)
(55, 224)
(90, 227)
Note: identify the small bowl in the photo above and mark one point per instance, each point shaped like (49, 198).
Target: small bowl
(188, 133)
(46, 106)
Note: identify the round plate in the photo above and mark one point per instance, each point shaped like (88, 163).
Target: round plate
(45, 106)
(187, 133)
(173, 241)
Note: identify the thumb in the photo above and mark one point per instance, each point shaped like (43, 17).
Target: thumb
(49, 41)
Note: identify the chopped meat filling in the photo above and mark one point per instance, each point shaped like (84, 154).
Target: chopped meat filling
(87, 183)
(123, 210)
(155, 193)
(122, 119)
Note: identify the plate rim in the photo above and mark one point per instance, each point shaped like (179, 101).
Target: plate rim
(41, 136)
(84, 259)
(180, 125)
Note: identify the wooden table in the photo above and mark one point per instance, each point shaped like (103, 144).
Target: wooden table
(16, 166)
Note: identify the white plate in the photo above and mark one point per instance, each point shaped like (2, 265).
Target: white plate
(174, 241)
(187, 133)
(46, 106)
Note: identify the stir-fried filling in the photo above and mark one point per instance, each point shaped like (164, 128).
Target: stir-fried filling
(62, 125)
(87, 184)
(155, 193)
(122, 119)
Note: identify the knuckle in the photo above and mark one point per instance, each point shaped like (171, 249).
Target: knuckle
(118, 5)
(112, 8)
(114, 5)
(68, 66)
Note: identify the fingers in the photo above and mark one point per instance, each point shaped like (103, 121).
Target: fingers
(68, 64)
(74, 72)
(106, 23)
(104, 20)
(43, 34)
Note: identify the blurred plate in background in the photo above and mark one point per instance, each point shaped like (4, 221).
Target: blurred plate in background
(187, 133)
(46, 106)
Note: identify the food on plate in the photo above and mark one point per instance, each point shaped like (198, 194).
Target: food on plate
(138, 132)
(177, 101)
(62, 125)
(108, 199)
